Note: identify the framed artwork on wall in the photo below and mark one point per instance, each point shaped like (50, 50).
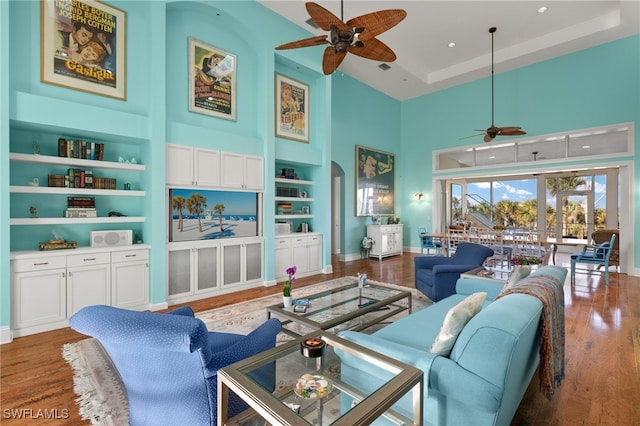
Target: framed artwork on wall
(375, 182)
(212, 80)
(292, 109)
(82, 46)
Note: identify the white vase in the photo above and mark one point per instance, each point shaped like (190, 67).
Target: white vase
(287, 301)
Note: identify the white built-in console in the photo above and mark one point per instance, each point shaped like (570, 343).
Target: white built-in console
(48, 287)
(302, 250)
(203, 268)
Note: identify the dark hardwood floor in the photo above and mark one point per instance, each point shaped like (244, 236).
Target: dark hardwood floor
(602, 384)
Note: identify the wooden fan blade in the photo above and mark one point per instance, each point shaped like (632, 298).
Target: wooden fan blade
(374, 49)
(323, 18)
(307, 42)
(508, 129)
(513, 133)
(331, 60)
(376, 23)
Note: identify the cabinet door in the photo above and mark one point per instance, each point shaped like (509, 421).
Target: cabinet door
(282, 257)
(315, 253)
(88, 285)
(254, 173)
(180, 169)
(39, 297)
(207, 268)
(130, 285)
(231, 264)
(252, 261)
(179, 271)
(207, 167)
(300, 254)
(233, 170)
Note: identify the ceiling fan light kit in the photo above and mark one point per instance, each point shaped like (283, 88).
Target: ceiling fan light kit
(357, 35)
(493, 131)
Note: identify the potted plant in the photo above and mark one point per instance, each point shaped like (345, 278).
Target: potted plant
(286, 289)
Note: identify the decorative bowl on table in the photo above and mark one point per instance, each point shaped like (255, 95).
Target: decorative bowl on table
(313, 386)
(312, 348)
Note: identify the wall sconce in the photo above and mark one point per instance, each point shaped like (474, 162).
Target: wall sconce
(419, 196)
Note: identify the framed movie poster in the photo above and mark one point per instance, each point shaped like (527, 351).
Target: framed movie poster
(212, 80)
(83, 46)
(292, 109)
(375, 182)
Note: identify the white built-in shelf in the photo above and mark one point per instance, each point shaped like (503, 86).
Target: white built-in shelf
(301, 199)
(74, 220)
(294, 181)
(294, 216)
(73, 191)
(74, 162)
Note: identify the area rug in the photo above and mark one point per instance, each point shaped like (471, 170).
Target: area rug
(101, 395)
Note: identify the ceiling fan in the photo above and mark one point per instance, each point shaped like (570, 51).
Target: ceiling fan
(357, 35)
(493, 131)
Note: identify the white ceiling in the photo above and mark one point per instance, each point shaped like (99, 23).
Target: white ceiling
(426, 64)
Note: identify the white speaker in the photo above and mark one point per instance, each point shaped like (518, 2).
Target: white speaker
(111, 238)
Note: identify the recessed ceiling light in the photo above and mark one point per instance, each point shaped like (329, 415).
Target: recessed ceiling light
(586, 146)
(452, 44)
(543, 9)
(492, 157)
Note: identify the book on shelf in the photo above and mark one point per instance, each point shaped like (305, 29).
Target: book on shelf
(80, 148)
(57, 181)
(81, 212)
(81, 202)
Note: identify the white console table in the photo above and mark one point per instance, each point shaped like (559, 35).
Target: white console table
(387, 240)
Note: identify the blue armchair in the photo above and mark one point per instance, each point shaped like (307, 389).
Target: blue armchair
(436, 276)
(169, 362)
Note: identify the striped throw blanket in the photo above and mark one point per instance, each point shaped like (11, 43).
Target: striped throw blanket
(550, 292)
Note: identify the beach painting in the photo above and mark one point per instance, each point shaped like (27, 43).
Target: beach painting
(197, 214)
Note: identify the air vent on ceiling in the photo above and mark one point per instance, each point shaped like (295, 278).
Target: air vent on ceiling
(384, 67)
(312, 23)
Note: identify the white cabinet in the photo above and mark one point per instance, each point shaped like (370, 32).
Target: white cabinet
(88, 281)
(304, 251)
(38, 295)
(130, 279)
(191, 166)
(241, 261)
(193, 271)
(387, 240)
(50, 287)
(242, 171)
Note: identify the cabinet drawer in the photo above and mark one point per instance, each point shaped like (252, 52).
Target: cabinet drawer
(315, 239)
(300, 240)
(283, 242)
(88, 259)
(26, 265)
(129, 255)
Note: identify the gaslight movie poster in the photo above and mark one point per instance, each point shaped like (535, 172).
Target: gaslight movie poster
(82, 46)
(212, 85)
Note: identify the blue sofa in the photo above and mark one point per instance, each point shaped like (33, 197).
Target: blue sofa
(490, 366)
(169, 362)
(436, 276)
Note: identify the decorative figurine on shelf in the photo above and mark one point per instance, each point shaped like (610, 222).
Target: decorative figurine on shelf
(36, 147)
(34, 211)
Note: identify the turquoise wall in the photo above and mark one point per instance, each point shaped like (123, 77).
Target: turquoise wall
(594, 87)
(362, 116)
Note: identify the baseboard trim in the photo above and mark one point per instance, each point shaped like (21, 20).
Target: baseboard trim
(6, 336)
(158, 306)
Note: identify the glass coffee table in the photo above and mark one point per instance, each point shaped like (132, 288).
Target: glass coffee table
(312, 389)
(347, 307)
